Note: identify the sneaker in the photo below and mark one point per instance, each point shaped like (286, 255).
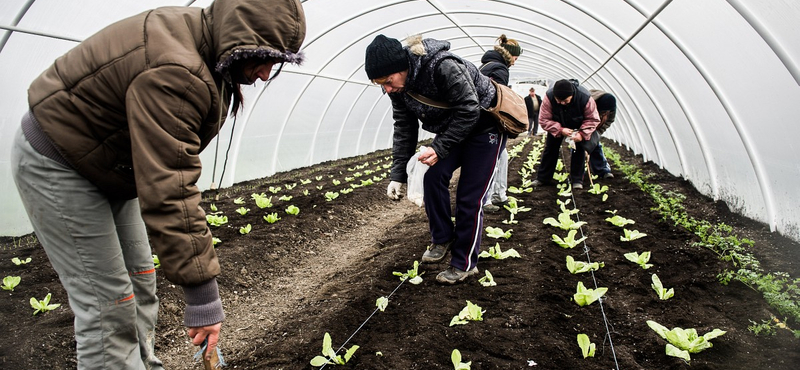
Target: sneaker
(538, 182)
(608, 175)
(453, 275)
(436, 252)
(491, 208)
(577, 186)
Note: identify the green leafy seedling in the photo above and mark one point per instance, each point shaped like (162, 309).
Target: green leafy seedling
(329, 356)
(413, 275)
(156, 261)
(43, 305)
(631, 235)
(682, 342)
(215, 240)
(285, 198)
(563, 205)
(585, 297)
(457, 364)
(272, 218)
(382, 303)
(11, 282)
(263, 202)
(274, 189)
(587, 347)
(639, 259)
(598, 189)
(292, 210)
(577, 267)
(564, 222)
(496, 232)
(331, 195)
(216, 220)
(487, 280)
(242, 211)
(18, 261)
(569, 241)
(620, 221)
(246, 229)
(498, 254)
(471, 312)
(238, 201)
(213, 207)
(663, 293)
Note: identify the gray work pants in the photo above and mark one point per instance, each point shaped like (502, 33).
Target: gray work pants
(497, 192)
(99, 249)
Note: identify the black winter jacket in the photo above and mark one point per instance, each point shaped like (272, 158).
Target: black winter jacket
(494, 66)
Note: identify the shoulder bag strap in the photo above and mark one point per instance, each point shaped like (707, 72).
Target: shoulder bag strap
(428, 101)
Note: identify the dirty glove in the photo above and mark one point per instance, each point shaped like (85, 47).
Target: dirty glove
(395, 190)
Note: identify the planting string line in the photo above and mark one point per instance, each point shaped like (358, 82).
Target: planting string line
(594, 279)
(364, 323)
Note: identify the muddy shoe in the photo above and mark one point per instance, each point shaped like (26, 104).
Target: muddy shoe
(436, 252)
(453, 275)
(608, 175)
(577, 186)
(491, 208)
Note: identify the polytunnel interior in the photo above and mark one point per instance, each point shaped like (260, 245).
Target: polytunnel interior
(705, 88)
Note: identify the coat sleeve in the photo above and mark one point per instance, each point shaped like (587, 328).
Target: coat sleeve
(404, 139)
(590, 119)
(455, 81)
(546, 120)
(166, 107)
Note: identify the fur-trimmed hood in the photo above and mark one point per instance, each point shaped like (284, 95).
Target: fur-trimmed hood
(509, 59)
(242, 29)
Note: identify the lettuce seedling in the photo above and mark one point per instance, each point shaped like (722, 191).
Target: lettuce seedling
(569, 241)
(585, 297)
(318, 178)
(605, 197)
(564, 222)
(516, 190)
(496, 232)
(631, 235)
(292, 210)
(330, 356)
(274, 189)
(216, 220)
(496, 253)
(305, 181)
(382, 303)
(319, 187)
(639, 259)
(587, 347)
(285, 198)
(577, 267)
(663, 293)
(563, 206)
(238, 200)
(457, 364)
(331, 195)
(564, 190)
(471, 312)
(413, 275)
(561, 176)
(272, 218)
(43, 305)
(305, 192)
(487, 280)
(11, 282)
(18, 261)
(682, 342)
(349, 178)
(213, 207)
(242, 211)
(597, 189)
(336, 182)
(156, 261)
(264, 202)
(246, 229)
(346, 191)
(620, 221)
(215, 240)
(290, 186)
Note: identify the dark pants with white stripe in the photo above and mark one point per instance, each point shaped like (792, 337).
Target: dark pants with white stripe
(477, 156)
(550, 155)
(99, 248)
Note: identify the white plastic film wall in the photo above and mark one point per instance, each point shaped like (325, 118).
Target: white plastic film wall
(705, 88)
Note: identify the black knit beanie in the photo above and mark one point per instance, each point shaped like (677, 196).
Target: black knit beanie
(385, 56)
(563, 89)
(606, 102)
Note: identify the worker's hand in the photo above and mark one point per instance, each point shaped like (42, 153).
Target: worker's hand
(566, 132)
(199, 334)
(577, 137)
(429, 157)
(395, 190)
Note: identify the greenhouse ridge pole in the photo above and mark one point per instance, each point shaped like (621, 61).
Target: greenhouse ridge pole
(15, 22)
(648, 21)
(37, 33)
(456, 24)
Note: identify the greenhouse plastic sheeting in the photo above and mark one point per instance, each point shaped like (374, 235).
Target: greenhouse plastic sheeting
(705, 88)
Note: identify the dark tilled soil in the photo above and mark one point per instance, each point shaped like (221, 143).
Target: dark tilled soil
(285, 285)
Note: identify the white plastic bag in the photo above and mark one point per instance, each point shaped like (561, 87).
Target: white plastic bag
(416, 175)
